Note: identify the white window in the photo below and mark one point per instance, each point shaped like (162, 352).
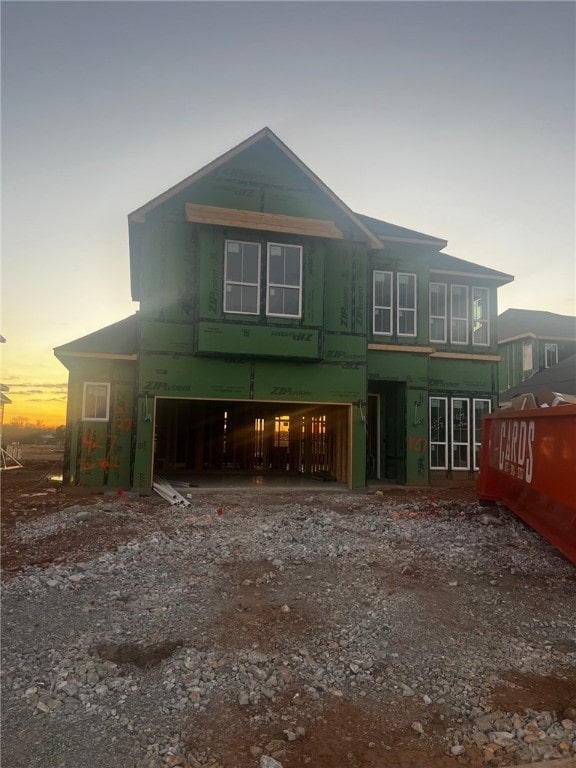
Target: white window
(511, 367)
(481, 408)
(551, 354)
(406, 317)
(527, 357)
(480, 316)
(459, 314)
(382, 302)
(460, 433)
(284, 294)
(242, 277)
(438, 432)
(96, 401)
(438, 312)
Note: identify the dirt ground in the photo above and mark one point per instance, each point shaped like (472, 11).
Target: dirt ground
(362, 734)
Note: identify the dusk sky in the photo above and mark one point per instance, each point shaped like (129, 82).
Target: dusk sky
(453, 118)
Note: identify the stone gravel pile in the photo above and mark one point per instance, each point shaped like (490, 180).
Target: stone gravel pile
(258, 599)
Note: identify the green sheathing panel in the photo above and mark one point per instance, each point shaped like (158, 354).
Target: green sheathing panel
(232, 339)
(166, 337)
(410, 367)
(401, 380)
(100, 452)
(423, 376)
(211, 246)
(212, 378)
(237, 379)
(397, 259)
(344, 348)
(262, 178)
(179, 376)
(474, 377)
(319, 383)
(167, 272)
(345, 288)
(504, 382)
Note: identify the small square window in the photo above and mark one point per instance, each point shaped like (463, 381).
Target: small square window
(96, 401)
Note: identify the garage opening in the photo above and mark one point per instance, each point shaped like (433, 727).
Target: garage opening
(199, 436)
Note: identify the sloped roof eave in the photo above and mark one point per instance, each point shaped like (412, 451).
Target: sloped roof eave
(116, 341)
(398, 234)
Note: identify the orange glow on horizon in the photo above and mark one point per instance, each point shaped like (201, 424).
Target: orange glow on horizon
(51, 414)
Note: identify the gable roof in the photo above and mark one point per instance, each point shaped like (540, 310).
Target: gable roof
(559, 378)
(515, 323)
(139, 215)
(119, 341)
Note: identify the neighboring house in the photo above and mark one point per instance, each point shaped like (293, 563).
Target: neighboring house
(560, 378)
(530, 341)
(279, 331)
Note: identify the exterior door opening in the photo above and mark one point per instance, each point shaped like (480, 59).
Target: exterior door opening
(386, 432)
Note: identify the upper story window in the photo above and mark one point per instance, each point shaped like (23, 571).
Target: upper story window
(406, 321)
(96, 401)
(459, 308)
(459, 314)
(242, 277)
(282, 278)
(383, 303)
(551, 354)
(480, 316)
(284, 289)
(527, 357)
(382, 292)
(438, 309)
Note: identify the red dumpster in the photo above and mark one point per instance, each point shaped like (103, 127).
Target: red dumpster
(528, 463)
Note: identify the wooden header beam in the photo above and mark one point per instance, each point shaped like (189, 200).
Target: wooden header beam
(270, 222)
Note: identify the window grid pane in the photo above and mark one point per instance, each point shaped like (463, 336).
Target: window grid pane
(438, 407)
(459, 312)
(284, 295)
(382, 301)
(551, 353)
(527, 359)
(241, 277)
(480, 316)
(438, 312)
(406, 304)
(460, 434)
(96, 401)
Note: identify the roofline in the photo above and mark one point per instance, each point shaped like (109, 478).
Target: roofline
(99, 355)
(412, 240)
(138, 216)
(502, 276)
(537, 312)
(535, 336)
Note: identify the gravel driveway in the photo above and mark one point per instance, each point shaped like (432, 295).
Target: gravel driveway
(258, 628)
